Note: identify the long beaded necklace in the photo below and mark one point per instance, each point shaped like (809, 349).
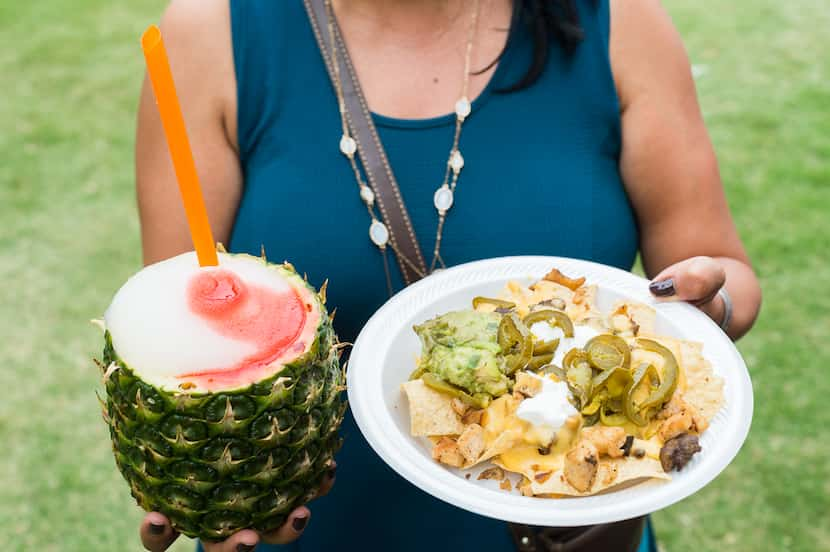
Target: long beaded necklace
(444, 196)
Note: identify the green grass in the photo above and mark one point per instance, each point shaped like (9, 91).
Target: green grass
(70, 237)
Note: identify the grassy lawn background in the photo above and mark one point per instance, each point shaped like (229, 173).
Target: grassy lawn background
(70, 238)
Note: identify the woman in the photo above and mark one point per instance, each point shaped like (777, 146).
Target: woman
(585, 139)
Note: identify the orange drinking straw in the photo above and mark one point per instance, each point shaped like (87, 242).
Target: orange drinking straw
(158, 67)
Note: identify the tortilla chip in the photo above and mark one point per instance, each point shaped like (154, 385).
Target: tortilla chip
(610, 472)
(704, 389)
(544, 290)
(555, 275)
(579, 305)
(584, 304)
(503, 442)
(430, 412)
(642, 315)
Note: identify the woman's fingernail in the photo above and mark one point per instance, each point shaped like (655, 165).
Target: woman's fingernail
(156, 529)
(663, 288)
(299, 523)
(332, 472)
(245, 547)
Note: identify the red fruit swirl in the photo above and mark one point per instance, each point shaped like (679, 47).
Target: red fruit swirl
(270, 320)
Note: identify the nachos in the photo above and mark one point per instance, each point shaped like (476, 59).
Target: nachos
(542, 384)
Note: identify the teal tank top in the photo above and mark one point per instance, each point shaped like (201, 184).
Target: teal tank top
(541, 177)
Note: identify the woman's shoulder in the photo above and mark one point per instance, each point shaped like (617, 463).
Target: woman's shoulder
(646, 50)
(196, 23)
(197, 36)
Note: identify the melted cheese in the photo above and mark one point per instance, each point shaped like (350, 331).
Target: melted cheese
(527, 460)
(520, 451)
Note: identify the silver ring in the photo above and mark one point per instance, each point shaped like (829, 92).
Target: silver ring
(727, 308)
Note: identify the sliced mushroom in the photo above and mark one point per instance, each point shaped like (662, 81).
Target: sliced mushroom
(677, 452)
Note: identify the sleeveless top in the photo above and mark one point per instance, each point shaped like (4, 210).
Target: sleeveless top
(541, 177)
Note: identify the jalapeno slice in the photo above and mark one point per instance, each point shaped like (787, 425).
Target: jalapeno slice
(594, 405)
(478, 400)
(668, 379)
(516, 343)
(537, 361)
(557, 371)
(615, 382)
(635, 412)
(553, 317)
(608, 351)
(609, 418)
(578, 375)
(545, 347)
(499, 303)
(573, 357)
(590, 419)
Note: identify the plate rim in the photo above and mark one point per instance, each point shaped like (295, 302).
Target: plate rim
(441, 482)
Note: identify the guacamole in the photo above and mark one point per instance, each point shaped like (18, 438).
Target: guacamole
(462, 348)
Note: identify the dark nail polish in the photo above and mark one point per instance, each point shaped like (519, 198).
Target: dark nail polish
(299, 523)
(156, 529)
(245, 547)
(332, 472)
(663, 288)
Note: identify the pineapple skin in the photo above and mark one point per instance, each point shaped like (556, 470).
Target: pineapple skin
(216, 463)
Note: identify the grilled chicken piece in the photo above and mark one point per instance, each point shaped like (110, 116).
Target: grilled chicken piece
(608, 440)
(459, 406)
(473, 416)
(527, 385)
(447, 452)
(700, 423)
(676, 406)
(471, 442)
(675, 425)
(581, 463)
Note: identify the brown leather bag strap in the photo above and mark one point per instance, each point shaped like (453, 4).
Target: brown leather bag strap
(372, 155)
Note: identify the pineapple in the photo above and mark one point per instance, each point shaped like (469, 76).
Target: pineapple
(223, 392)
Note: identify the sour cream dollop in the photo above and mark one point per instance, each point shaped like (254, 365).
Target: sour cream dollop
(549, 408)
(545, 332)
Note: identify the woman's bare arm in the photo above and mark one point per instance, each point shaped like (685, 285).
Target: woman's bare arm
(669, 167)
(197, 36)
(198, 40)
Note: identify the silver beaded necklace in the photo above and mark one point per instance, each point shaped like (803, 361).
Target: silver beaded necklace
(444, 196)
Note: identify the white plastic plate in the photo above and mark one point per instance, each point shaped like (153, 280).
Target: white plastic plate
(384, 355)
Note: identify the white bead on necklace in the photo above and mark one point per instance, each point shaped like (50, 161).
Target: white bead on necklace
(444, 195)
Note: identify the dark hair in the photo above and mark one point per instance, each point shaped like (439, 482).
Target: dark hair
(545, 21)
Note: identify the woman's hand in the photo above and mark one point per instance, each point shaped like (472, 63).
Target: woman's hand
(696, 280)
(157, 534)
